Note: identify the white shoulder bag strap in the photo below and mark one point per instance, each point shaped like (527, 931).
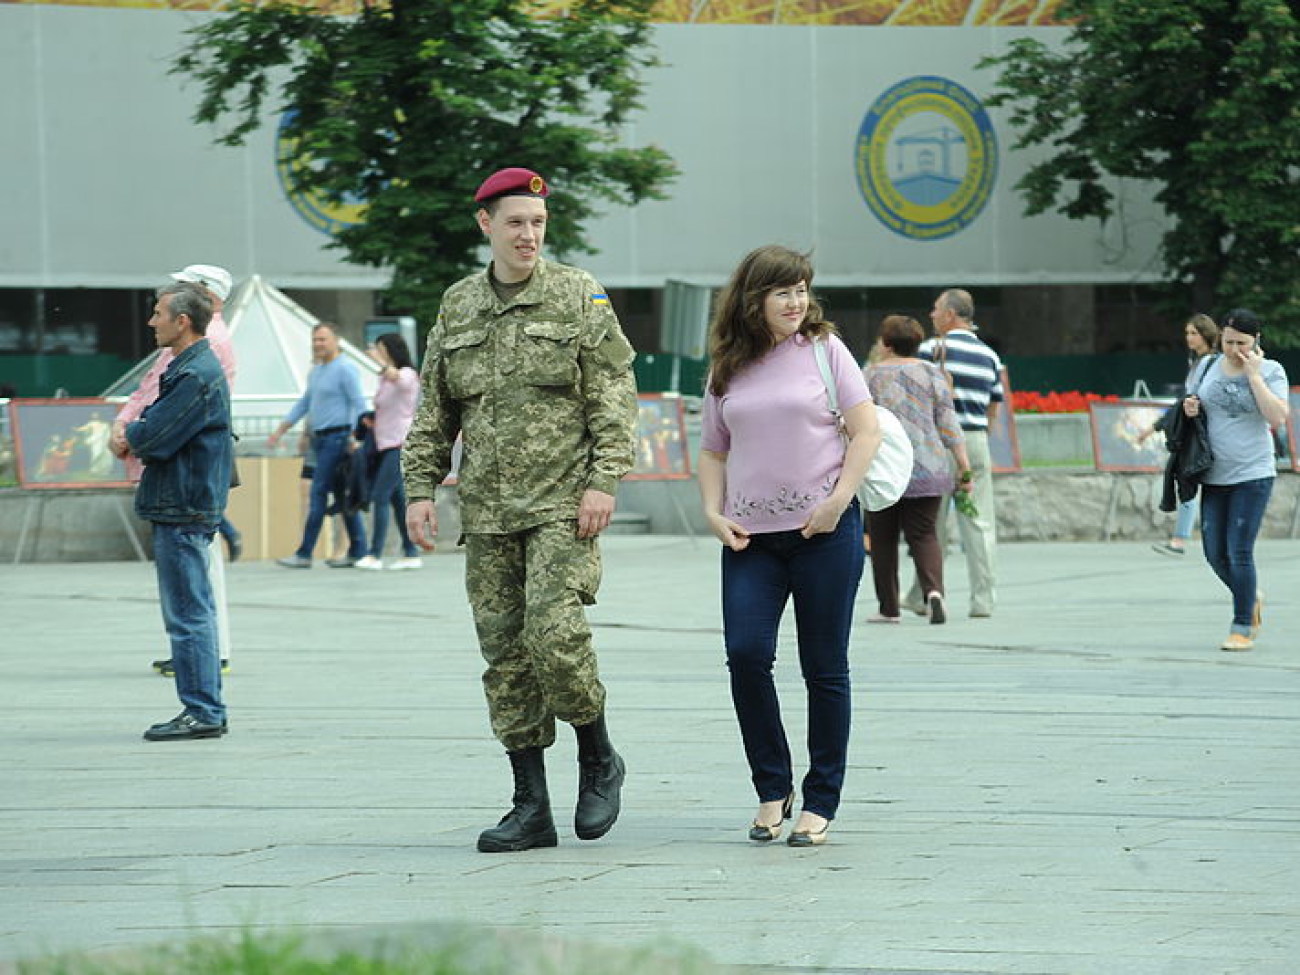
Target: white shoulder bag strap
(828, 380)
(891, 469)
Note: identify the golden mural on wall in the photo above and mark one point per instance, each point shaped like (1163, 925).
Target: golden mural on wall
(323, 6)
(888, 13)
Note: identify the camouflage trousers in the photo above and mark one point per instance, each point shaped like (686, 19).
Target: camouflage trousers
(527, 591)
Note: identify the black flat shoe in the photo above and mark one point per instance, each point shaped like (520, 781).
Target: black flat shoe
(168, 669)
(760, 833)
(804, 837)
(183, 727)
(938, 612)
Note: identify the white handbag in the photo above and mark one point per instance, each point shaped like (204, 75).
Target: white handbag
(891, 469)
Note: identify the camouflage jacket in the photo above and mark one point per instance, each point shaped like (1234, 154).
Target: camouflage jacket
(541, 391)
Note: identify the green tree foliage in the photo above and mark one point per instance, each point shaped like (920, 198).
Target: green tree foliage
(411, 103)
(1200, 97)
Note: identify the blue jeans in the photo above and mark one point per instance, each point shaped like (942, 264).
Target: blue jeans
(822, 574)
(1186, 519)
(330, 448)
(190, 616)
(1230, 518)
(388, 489)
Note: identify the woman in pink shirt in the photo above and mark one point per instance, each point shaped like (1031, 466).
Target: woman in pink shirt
(395, 399)
(778, 488)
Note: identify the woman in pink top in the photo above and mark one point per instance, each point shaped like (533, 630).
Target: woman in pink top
(395, 399)
(778, 487)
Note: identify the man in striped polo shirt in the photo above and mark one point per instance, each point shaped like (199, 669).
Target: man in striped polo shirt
(975, 373)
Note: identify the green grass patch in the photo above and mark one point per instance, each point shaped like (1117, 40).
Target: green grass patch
(454, 951)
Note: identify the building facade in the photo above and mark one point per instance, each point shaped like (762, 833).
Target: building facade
(856, 132)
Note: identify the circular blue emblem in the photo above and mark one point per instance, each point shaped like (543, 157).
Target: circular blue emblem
(326, 215)
(926, 158)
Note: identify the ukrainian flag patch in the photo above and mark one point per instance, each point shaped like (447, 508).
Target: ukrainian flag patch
(600, 299)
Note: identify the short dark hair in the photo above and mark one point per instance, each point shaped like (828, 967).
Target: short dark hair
(901, 334)
(1243, 320)
(191, 301)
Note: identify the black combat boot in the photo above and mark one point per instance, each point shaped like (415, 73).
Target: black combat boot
(600, 779)
(528, 824)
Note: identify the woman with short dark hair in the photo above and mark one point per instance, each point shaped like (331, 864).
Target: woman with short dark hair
(917, 393)
(1243, 397)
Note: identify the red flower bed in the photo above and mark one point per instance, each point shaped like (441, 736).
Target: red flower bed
(1070, 401)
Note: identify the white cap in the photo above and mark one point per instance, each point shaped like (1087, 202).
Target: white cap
(215, 279)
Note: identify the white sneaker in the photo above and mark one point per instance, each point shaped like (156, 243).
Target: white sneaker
(368, 562)
(410, 562)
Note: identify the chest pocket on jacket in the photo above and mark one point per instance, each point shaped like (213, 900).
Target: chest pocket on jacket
(467, 363)
(548, 354)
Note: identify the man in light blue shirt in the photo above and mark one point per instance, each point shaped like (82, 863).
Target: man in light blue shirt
(331, 402)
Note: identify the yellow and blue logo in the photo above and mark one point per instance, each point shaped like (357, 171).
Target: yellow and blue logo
(326, 215)
(926, 158)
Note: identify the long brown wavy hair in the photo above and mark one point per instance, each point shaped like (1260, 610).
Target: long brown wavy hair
(739, 334)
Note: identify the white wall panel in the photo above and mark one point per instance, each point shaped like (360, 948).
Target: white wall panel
(104, 181)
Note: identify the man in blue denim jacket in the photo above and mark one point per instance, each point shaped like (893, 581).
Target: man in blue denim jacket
(184, 440)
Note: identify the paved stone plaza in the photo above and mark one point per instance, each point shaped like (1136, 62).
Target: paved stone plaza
(1082, 785)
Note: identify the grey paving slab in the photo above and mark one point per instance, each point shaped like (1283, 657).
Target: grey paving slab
(1082, 784)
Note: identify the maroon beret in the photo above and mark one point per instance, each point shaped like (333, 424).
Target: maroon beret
(512, 182)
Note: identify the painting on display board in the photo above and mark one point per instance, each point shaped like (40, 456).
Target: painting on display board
(1117, 442)
(64, 443)
(1004, 445)
(1292, 425)
(662, 450)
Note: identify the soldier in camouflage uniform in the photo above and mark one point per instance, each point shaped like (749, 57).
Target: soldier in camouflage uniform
(527, 362)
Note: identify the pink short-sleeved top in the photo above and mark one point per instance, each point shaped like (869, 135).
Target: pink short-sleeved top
(395, 402)
(773, 423)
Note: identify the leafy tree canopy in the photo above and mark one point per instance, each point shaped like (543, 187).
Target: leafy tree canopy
(1200, 97)
(411, 103)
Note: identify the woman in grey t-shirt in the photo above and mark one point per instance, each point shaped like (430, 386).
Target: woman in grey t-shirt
(1243, 397)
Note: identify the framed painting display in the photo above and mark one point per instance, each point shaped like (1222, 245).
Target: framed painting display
(63, 443)
(1004, 445)
(1292, 422)
(662, 450)
(1116, 429)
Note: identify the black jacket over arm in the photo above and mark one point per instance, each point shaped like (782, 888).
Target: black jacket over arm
(1189, 456)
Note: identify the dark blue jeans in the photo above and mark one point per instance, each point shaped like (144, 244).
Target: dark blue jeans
(190, 616)
(822, 574)
(1230, 518)
(388, 490)
(329, 448)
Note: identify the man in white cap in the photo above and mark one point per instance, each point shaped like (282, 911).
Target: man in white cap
(216, 282)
